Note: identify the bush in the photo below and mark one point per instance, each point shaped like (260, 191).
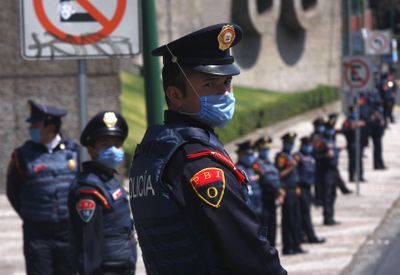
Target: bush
(284, 106)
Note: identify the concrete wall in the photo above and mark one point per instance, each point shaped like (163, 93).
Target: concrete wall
(50, 82)
(288, 45)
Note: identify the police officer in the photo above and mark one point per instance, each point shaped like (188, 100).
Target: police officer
(306, 170)
(246, 159)
(388, 93)
(272, 192)
(287, 167)
(39, 176)
(331, 134)
(349, 128)
(187, 197)
(377, 127)
(327, 155)
(102, 227)
(316, 136)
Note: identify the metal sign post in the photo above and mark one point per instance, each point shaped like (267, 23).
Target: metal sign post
(83, 104)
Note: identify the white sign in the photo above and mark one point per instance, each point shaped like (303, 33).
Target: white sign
(62, 29)
(357, 74)
(377, 43)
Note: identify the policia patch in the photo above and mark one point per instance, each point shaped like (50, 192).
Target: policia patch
(209, 185)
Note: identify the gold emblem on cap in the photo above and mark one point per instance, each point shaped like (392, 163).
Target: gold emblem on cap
(71, 164)
(110, 119)
(226, 37)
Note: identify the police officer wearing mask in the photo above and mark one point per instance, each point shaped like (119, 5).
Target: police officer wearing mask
(316, 137)
(246, 159)
(188, 199)
(306, 169)
(39, 176)
(102, 227)
(377, 127)
(272, 192)
(287, 167)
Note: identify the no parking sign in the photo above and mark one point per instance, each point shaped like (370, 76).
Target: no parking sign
(377, 42)
(59, 29)
(357, 73)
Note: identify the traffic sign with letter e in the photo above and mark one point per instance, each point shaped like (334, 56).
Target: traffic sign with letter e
(357, 73)
(60, 29)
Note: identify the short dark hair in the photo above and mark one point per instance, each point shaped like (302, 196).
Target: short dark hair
(172, 76)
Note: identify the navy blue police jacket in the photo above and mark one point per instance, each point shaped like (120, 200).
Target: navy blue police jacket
(253, 188)
(38, 180)
(283, 161)
(189, 205)
(269, 176)
(305, 168)
(101, 222)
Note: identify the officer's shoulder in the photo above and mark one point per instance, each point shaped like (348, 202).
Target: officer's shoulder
(70, 144)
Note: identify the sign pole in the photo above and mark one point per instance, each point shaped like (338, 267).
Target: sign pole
(83, 104)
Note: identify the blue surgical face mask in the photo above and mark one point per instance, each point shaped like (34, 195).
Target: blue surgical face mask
(263, 153)
(216, 110)
(307, 149)
(248, 159)
(288, 147)
(320, 129)
(35, 134)
(111, 157)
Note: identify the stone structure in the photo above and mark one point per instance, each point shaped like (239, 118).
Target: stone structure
(288, 45)
(49, 82)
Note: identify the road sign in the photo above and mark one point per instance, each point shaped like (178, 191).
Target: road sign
(357, 74)
(377, 42)
(62, 29)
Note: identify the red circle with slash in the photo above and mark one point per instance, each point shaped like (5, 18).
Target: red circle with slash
(108, 25)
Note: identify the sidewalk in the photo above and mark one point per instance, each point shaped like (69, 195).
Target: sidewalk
(360, 215)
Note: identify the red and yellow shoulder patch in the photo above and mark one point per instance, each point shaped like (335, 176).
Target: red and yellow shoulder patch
(209, 185)
(281, 162)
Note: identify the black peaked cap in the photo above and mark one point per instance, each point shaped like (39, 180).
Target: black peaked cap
(206, 50)
(106, 123)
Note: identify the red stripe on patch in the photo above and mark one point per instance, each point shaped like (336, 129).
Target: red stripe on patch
(85, 204)
(207, 176)
(39, 168)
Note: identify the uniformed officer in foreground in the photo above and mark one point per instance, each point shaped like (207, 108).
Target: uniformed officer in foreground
(38, 179)
(272, 193)
(102, 227)
(188, 199)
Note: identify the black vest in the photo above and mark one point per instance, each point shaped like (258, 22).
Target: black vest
(44, 194)
(306, 169)
(118, 225)
(157, 216)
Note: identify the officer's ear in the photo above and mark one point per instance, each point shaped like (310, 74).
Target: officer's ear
(174, 97)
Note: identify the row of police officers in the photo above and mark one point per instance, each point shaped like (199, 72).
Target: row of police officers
(193, 209)
(188, 200)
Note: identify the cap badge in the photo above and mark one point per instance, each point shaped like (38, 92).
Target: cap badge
(226, 37)
(110, 119)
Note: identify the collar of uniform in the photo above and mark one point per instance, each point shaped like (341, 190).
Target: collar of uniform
(98, 169)
(173, 117)
(54, 143)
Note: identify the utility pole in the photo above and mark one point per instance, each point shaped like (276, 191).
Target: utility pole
(152, 80)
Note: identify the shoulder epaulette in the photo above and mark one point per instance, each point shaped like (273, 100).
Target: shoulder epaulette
(97, 194)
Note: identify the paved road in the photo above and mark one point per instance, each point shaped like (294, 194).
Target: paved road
(366, 232)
